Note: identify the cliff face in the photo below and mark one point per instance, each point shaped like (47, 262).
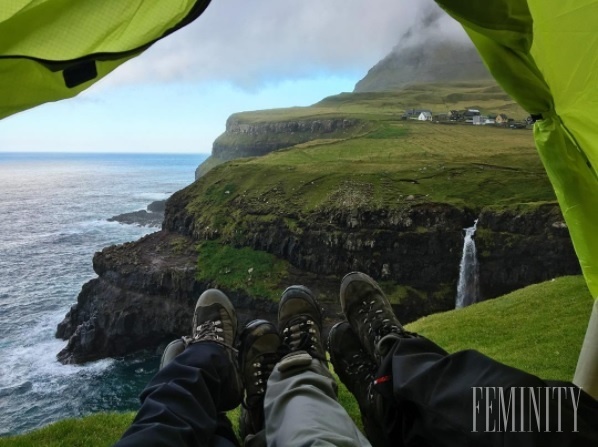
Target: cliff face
(249, 140)
(516, 245)
(144, 294)
(243, 139)
(146, 290)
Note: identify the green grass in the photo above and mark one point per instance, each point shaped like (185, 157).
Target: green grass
(539, 329)
(102, 429)
(463, 166)
(208, 164)
(375, 165)
(256, 272)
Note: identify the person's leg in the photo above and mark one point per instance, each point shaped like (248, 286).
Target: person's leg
(301, 406)
(185, 403)
(432, 391)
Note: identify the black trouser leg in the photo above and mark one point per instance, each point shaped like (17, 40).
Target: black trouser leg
(181, 404)
(435, 402)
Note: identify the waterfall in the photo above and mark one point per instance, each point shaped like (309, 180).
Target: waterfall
(468, 288)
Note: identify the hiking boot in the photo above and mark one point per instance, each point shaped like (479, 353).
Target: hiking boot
(215, 320)
(300, 322)
(174, 348)
(356, 368)
(370, 314)
(259, 346)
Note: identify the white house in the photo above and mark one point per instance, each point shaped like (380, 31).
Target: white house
(425, 115)
(478, 120)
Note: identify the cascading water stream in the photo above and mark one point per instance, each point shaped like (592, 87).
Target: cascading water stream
(468, 288)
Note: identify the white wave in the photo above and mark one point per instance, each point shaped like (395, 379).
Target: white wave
(152, 196)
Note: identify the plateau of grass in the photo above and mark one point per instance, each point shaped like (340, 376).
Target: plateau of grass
(385, 162)
(398, 164)
(538, 329)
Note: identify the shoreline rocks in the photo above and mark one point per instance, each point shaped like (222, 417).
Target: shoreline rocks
(152, 217)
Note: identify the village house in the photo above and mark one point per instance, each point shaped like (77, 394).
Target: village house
(502, 119)
(414, 114)
(469, 114)
(425, 115)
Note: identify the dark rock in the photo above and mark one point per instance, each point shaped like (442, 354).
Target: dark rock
(145, 294)
(157, 206)
(521, 246)
(142, 218)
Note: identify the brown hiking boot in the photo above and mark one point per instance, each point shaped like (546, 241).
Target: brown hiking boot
(215, 320)
(259, 346)
(300, 322)
(356, 368)
(370, 314)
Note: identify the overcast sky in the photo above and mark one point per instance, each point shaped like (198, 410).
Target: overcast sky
(237, 56)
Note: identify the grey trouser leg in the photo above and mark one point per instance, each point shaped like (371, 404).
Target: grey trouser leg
(301, 407)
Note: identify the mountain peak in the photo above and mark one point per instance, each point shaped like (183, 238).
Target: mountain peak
(432, 59)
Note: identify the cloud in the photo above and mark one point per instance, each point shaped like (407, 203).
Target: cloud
(252, 43)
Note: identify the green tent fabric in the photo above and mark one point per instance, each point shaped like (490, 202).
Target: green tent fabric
(544, 53)
(54, 49)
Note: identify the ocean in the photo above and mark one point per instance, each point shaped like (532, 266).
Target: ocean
(53, 217)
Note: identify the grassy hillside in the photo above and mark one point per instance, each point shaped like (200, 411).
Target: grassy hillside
(369, 109)
(486, 96)
(396, 164)
(538, 329)
(384, 163)
(388, 164)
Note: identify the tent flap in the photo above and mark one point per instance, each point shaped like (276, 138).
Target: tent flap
(544, 53)
(54, 49)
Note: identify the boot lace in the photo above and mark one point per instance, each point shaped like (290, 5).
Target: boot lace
(376, 322)
(261, 369)
(363, 371)
(211, 330)
(302, 335)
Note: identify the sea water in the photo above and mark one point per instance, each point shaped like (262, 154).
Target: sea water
(53, 217)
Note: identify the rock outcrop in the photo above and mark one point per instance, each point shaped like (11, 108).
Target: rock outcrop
(144, 295)
(153, 217)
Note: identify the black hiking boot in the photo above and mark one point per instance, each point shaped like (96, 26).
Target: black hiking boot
(259, 346)
(215, 320)
(356, 368)
(300, 322)
(370, 314)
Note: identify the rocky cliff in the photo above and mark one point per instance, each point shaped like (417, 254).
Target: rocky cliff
(243, 138)
(144, 295)
(145, 291)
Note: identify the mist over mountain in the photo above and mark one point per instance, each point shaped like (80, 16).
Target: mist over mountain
(426, 52)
